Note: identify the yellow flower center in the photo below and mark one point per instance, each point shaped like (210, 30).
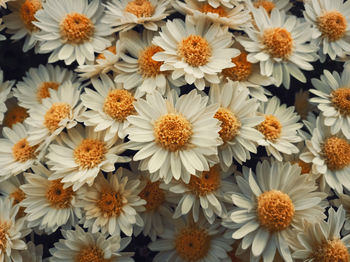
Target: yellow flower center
(140, 8)
(337, 153)
(271, 127)
(278, 42)
(76, 28)
(275, 210)
(14, 115)
(89, 153)
(242, 69)
(341, 100)
(195, 50)
(207, 8)
(58, 196)
(207, 182)
(172, 131)
(230, 124)
(4, 228)
(112, 49)
(55, 115)
(192, 243)
(43, 90)
(153, 195)
(267, 5)
(27, 12)
(110, 203)
(22, 151)
(149, 67)
(333, 25)
(90, 254)
(331, 251)
(119, 104)
(305, 167)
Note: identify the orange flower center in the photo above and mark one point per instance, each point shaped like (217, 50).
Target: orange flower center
(207, 8)
(195, 50)
(76, 28)
(149, 67)
(58, 196)
(207, 182)
(90, 254)
(242, 69)
(271, 127)
(89, 153)
(337, 153)
(110, 203)
(278, 42)
(331, 250)
(16, 114)
(4, 228)
(333, 25)
(140, 8)
(22, 151)
(27, 12)
(230, 124)
(341, 100)
(267, 5)
(119, 104)
(43, 90)
(112, 49)
(305, 167)
(153, 195)
(55, 115)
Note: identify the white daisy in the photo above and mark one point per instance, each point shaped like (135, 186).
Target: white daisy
(126, 14)
(329, 155)
(281, 5)
(11, 188)
(112, 205)
(175, 137)
(280, 44)
(279, 128)
(81, 153)
(33, 253)
(269, 205)
(333, 91)
(109, 105)
(48, 204)
(196, 50)
(138, 69)
(331, 26)
(79, 245)
(35, 86)
(72, 30)
(238, 116)
(5, 89)
(184, 241)
(322, 241)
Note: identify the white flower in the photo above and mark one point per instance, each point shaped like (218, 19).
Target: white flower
(10, 188)
(175, 137)
(72, 30)
(196, 50)
(5, 89)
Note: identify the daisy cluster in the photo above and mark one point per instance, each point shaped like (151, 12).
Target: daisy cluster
(164, 119)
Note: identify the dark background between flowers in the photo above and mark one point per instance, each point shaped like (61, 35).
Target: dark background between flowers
(15, 64)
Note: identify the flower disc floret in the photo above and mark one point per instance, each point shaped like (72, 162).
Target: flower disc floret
(90, 254)
(140, 8)
(43, 90)
(242, 69)
(195, 50)
(278, 42)
(271, 127)
(267, 5)
(90, 153)
(207, 8)
(55, 115)
(119, 104)
(4, 228)
(23, 152)
(76, 28)
(27, 13)
(331, 250)
(149, 67)
(110, 203)
(153, 195)
(337, 153)
(230, 124)
(58, 196)
(341, 100)
(333, 25)
(207, 182)
(14, 115)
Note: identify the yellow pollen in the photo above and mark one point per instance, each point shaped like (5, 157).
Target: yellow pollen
(278, 42)
(275, 210)
(333, 25)
(43, 90)
(267, 5)
(207, 8)
(331, 251)
(271, 127)
(110, 203)
(172, 131)
(153, 195)
(341, 100)
(58, 196)
(89, 153)
(195, 50)
(149, 67)
(22, 151)
(305, 167)
(4, 228)
(140, 8)
(55, 115)
(192, 243)
(27, 12)
(119, 104)
(242, 69)
(207, 182)
(230, 124)
(14, 115)
(90, 254)
(337, 153)
(76, 28)
(112, 49)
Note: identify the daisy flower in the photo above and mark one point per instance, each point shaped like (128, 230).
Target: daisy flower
(33, 253)
(173, 141)
(15, 113)
(112, 205)
(191, 241)
(279, 44)
(35, 86)
(238, 117)
(196, 50)
(72, 30)
(16, 154)
(109, 105)
(322, 241)
(329, 155)
(269, 207)
(281, 5)
(20, 24)
(81, 153)
(330, 22)
(138, 69)
(79, 245)
(48, 204)
(5, 89)
(11, 188)
(332, 93)
(126, 14)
